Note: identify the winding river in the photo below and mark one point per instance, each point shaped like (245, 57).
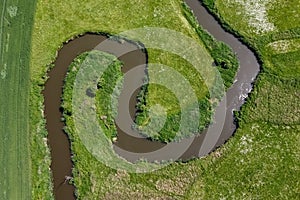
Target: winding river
(60, 145)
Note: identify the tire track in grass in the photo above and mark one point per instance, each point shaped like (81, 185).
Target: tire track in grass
(3, 180)
(1, 28)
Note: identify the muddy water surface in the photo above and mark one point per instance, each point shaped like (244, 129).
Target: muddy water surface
(61, 165)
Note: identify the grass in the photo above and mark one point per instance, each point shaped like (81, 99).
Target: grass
(282, 62)
(260, 162)
(15, 155)
(288, 17)
(103, 94)
(90, 18)
(164, 95)
(286, 64)
(254, 16)
(264, 152)
(284, 46)
(274, 100)
(47, 39)
(224, 58)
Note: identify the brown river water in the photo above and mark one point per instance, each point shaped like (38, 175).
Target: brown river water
(58, 141)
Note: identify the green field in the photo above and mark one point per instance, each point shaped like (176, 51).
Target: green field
(260, 162)
(15, 31)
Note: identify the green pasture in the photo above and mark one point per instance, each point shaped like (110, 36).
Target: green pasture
(16, 19)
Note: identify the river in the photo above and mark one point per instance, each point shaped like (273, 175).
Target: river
(59, 143)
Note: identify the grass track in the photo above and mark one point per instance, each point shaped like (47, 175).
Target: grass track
(15, 36)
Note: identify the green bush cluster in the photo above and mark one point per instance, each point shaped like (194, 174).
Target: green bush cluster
(106, 86)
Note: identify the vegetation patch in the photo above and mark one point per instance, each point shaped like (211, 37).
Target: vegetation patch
(284, 46)
(90, 175)
(273, 100)
(155, 94)
(286, 64)
(224, 58)
(284, 14)
(106, 86)
(260, 162)
(254, 14)
(77, 17)
(264, 147)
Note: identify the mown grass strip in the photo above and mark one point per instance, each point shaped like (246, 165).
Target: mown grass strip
(15, 43)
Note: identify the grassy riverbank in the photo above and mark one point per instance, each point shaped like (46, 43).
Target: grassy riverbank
(90, 18)
(260, 162)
